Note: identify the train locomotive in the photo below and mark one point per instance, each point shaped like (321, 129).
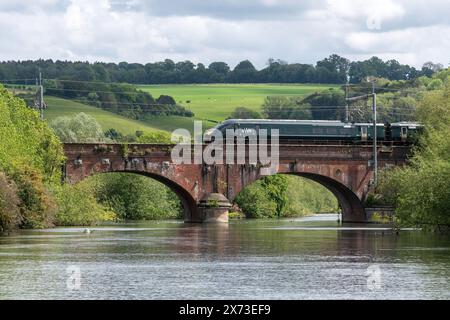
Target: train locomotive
(320, 130)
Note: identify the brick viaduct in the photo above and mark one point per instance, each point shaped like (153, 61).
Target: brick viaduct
(207, 191)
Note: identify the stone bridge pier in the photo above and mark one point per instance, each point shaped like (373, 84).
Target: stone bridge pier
(207, 191)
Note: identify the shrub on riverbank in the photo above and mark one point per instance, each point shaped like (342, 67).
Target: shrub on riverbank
(135, 197)
(37, 205)
(421, 191)
(285, 196)
(9, 204)
(30, 162)
(77, 206)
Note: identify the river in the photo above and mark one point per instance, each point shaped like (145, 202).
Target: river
(304, 258)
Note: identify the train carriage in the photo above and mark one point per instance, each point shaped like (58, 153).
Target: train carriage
(318, 130)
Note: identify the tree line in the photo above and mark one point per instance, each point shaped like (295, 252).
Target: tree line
(120, 98)
(333, 69)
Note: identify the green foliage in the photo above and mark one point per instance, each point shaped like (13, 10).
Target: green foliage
(284, 107)
(10, 217)
(26, 140)
(235, 215)
(421, 191)
(120, 98)
(276, 187)
(58, 107)
(134, 197)
(320, 103)
(77, 206)
(154, 137)
(31, 158)
(333, 69)
(435, 84)
(113, 134)
(80, 128)
(306, 197)
(255, 202)
(37, 206)
(124, 150)
(244, 113)
(217, 101)
(285, 196)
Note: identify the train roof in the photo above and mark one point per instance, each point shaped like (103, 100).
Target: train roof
(336, 123)
(284, 121)
(409, 124)
(369, 124)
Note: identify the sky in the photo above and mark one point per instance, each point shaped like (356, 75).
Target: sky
(305, 31)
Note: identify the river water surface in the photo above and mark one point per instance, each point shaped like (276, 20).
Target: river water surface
(307, 258)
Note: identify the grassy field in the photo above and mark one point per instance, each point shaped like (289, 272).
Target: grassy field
(210, 103)
(57, 107)
(217, 101)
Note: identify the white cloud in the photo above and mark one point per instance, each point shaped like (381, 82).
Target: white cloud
(208, 31)
(411, 45)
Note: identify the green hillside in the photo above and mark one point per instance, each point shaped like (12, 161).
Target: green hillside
(210, 103)
(57, 107)
(217, 101)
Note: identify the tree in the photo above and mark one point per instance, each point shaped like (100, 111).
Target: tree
(276, 187)
(421, 191)
(135, 197)
(167, 100)
(244, 113)
(434, 67)
(326, 105)
(219, 67)
(30, 161)
(79, 128)
(435, 84)
(154, 137)
(244, 72)
(338, 68)
(113, 134)
(276, 107)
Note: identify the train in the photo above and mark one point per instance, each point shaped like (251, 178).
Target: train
(322, 130)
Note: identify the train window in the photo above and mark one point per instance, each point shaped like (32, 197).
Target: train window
(364, 133)
(404, 133)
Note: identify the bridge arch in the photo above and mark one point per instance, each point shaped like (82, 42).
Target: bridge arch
(187, 201)
(352, 207)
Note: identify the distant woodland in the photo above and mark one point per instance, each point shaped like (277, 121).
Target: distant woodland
(334, 69)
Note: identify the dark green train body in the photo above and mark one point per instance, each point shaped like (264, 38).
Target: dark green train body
(321, 129)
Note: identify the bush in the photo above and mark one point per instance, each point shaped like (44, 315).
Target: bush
(9, 204)
(37, 206)
(27, 141)
(421, 191)
(244, 113)
(79, 128)
(256, 203)
(285, 196)
(78, 206)
(154, 137)
(135, 197)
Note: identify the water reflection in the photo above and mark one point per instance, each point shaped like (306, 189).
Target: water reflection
(282, 259)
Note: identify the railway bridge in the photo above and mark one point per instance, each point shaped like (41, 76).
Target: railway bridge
(207, 191)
